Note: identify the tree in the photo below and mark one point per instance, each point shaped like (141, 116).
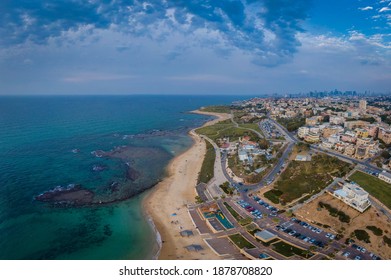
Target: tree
(198, 199)
(263, 144)
(385, 154)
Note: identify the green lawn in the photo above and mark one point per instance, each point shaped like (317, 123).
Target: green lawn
(288, 250)
(374, 186)
(308, 178)
(252, 126)
(233, 212)
(226, 129)
(240, 241)
(273, 195)
(216, 109)
(207, 169)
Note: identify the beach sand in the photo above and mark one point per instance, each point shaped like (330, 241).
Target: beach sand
(173, 195)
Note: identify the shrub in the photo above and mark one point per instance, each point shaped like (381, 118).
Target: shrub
(387, 240)
(362, 235)
(376, 231)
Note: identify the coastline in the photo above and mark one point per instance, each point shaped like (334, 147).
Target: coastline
(166, 204)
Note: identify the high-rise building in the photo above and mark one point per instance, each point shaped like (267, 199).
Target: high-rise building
(363, 105)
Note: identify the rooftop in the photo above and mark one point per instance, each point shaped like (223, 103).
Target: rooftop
(386, 174)
(265, 235)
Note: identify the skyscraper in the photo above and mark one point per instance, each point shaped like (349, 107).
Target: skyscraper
(363, 105)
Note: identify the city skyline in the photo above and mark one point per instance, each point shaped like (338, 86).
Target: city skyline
(194, 47)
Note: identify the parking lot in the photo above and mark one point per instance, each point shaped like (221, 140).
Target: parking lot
(294, 230)
(270, 130)
(355, 252)
(305, 232)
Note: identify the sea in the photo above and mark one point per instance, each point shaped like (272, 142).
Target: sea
(113, 148)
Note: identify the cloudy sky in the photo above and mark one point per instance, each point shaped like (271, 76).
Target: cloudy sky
(194, 46)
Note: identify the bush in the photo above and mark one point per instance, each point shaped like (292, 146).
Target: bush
(387, 240)
(362, 235)
(344, 218)
(376, 231)
(226, 188)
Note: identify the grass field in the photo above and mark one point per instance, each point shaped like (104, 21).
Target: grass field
(216, 109)
(233, 212)
(273, 195)
(288, 250)
(226, 129)
(207, 169)
(240, 241)
(252, 126)
(374, 186)
(301, 178)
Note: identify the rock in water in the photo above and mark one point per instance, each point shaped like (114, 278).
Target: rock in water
(72, 194)
(131, 173)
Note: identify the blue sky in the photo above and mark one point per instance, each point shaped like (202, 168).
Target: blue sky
(194, 46)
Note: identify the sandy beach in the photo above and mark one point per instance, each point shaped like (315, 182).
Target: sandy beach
(167, 202)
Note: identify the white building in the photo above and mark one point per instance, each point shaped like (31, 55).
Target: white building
(336, 120)
(327, 145)
(303, 158)
(303, 131)
(363, 105)
(315, 129)
(354, 196)
(242, 155)
(335, 138)
(385, 176)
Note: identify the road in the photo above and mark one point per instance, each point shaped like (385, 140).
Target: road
(246, 128)
(268, 222)
(346, 158)
(327, 151)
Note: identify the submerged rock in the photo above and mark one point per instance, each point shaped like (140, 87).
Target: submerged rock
(71, 195)
(131, 173)
(98, 167)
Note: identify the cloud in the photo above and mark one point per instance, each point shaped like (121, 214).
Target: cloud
(384, 9)
(372, 50)
(236, 24)
(367, 8)
(95, 77)
(209, 78)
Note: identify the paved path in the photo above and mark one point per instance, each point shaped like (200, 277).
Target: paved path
(218, 177)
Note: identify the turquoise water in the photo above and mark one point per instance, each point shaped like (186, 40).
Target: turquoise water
(37, 136)
(224, 221)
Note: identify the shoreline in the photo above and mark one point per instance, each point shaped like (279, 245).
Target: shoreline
(166, 204)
